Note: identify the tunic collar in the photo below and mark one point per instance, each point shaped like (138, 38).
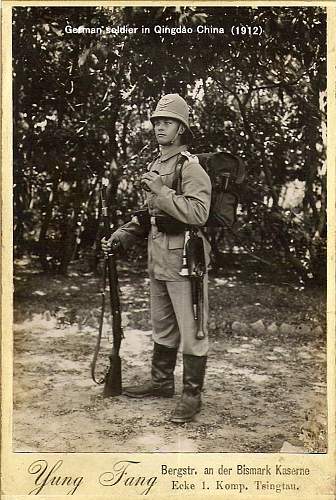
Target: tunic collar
(172, 153)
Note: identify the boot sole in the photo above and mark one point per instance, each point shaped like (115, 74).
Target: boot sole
(147, 395)
(184, 421)
(177, 420)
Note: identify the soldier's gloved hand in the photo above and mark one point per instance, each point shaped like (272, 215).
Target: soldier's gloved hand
(113, 243)
(153, 181)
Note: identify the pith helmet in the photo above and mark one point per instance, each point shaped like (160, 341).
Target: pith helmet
(172, 106)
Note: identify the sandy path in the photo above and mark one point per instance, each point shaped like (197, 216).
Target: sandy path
(261, 391)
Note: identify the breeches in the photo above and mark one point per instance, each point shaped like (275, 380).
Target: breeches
(172, 316)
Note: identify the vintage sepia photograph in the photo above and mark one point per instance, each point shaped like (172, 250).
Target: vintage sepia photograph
(169, 229)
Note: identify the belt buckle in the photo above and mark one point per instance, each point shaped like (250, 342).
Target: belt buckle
(153, 220)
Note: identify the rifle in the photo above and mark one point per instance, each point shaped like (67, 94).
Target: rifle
(112, 380)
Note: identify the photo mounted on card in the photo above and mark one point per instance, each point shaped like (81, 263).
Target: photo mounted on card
(165, 244)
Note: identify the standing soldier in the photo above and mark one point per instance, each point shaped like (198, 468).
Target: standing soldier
(171, 298)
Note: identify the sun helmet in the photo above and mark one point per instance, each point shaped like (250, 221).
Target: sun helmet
(172, 106)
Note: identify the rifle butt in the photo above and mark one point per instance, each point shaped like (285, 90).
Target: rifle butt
(113, 385)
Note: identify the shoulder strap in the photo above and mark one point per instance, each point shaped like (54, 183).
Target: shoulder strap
(177, 182)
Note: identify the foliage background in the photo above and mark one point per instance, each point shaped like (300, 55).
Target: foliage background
(81, 111)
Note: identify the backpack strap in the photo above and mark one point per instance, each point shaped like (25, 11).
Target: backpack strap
(182, 158)
(177, 181)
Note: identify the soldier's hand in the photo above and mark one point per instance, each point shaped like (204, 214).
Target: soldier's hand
(153, 181)
(112, 243)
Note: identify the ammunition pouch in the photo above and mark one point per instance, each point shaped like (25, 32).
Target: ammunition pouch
(144, 219)
(164, 223)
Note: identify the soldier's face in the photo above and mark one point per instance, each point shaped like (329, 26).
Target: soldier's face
(167, 130)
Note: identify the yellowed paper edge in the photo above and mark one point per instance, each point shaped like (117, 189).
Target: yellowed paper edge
(16, 483)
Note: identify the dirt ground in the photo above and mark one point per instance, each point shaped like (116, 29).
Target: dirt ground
(265, 388)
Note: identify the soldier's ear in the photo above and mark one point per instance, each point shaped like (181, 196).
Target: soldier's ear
(181, 129)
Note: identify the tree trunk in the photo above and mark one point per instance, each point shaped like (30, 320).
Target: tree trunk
(70, 236)
(46, 219)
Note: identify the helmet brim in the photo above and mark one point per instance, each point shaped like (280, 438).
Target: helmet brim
(169, 114)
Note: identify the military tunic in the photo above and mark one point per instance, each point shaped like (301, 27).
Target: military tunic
(171, 303)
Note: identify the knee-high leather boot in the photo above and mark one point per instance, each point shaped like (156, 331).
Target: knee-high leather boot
(193, 378)
(162, 382)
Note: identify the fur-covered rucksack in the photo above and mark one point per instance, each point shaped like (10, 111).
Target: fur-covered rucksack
(227, 173)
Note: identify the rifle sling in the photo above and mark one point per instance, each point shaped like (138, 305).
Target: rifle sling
(100, 331)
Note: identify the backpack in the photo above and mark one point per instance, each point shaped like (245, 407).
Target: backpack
(226, 172)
